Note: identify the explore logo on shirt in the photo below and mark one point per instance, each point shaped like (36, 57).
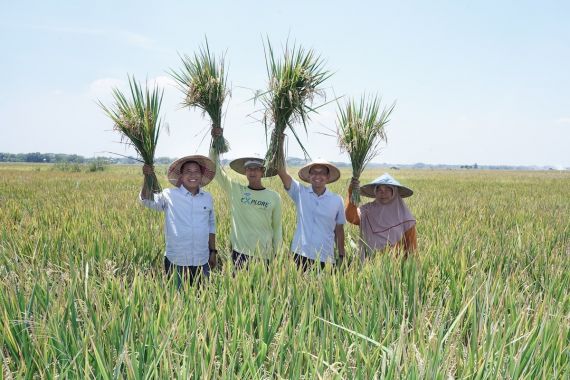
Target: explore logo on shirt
(246, 199)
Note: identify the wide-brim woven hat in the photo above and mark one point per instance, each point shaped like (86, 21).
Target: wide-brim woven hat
(240, 164)
(385, 179)
(334, 173)
(207, 165)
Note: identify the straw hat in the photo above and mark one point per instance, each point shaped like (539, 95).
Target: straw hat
(240, 164)
(385, 179)
(207, 165)
(334, 173)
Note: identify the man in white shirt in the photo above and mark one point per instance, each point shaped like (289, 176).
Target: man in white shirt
(320, 214)
(190, 227)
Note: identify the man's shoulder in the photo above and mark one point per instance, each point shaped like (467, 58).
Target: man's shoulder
(300, 186)
(334, 195)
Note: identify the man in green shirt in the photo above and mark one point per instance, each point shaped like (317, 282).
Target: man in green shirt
(255, 210)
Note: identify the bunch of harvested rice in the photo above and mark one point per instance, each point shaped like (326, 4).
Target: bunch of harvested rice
(203, 80)
(361, 129)
(294, 81)
(138, 121)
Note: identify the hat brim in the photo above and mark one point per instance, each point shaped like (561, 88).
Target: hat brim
(368, 190)
(238, 165)
(334, 173)
(207, 165)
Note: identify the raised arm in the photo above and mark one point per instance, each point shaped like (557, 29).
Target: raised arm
(351, 210)
(282, 171)
(221, 176)
(145, 193)
(148, 199)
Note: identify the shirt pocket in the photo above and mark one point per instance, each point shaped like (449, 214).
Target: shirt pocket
(205, 210)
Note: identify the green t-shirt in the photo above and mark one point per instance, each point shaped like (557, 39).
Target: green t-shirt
(256, 216)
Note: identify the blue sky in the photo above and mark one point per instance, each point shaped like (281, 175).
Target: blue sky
(485, 82)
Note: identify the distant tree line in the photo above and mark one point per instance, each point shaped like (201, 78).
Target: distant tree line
(58, 158)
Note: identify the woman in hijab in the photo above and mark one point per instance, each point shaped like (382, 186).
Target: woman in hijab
(385, 222)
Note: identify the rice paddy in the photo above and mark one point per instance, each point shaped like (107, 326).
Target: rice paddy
(487, 295)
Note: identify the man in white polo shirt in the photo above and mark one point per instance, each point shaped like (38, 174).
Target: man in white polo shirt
(190, 225)
(320, 214)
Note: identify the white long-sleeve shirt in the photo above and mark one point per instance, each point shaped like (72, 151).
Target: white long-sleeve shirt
(188, 223)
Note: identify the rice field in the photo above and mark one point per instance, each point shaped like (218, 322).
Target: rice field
(487, 296)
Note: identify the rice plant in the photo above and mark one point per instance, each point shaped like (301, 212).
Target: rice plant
(487, 295)
(361, 129)
(138, 121)
(294, 80)
(203, 81)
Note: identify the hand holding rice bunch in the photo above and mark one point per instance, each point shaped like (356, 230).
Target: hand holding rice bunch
(360, 129)
(293, 83)
(203, 80)
(137, 120)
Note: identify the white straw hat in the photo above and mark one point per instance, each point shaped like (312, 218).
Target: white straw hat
(368, 190)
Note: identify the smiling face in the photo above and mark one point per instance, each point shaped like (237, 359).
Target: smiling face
(384, 194)
(191, 176)
(319, 176)
(254, 174)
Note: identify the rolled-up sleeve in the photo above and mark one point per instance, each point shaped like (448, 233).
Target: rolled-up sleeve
(158, 203)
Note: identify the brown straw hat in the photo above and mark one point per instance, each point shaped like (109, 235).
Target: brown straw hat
(208, 169)
(334, 173)
(240, 164)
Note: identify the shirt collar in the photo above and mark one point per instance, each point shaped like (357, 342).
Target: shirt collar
(186, 192)
(325, 194)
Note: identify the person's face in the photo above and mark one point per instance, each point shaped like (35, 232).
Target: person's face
(319, 176)
(191, 176)
(384, 194)
(254, 173)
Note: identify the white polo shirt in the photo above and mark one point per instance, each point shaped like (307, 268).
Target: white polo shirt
(189, 220)
(317, 217)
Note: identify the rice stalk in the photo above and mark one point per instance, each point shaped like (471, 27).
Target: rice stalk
(203, 81)
(138, 121)
(361, 129)
(294, 80)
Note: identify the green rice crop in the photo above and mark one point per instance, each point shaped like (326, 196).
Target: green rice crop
(486, 296)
